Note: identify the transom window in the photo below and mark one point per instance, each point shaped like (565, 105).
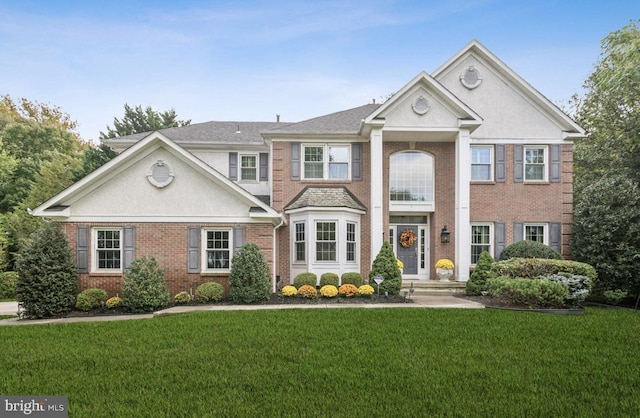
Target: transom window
(480, 241)
(300, 242)
(411, 177)
(328, 162)
(481, 162)
(326, 241)
(218, 249)
(108, 247)
(535, 232)
(351, 241)
(248, 167)
(535, 160)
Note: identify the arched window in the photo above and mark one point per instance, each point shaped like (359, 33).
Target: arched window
(411, 177)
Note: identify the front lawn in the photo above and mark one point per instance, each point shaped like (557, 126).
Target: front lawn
(334, 362)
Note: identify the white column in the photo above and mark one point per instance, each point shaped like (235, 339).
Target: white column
(376, 192)
(463, 197)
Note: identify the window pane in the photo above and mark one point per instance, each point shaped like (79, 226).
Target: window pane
(108, 253)
(480, 172)
(218, 254)
(313, 170)
(338, 170)
(339, 154)
(351, 241)
(534, 164)
(480, 155)
(411, 177)
(300, 244)
(535, 172)
(326, 241)
(534, 233)
(480, 241)
(248, 167)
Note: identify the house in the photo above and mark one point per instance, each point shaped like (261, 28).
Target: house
(466, 159)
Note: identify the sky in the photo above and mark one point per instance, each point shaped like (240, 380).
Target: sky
(250, 60)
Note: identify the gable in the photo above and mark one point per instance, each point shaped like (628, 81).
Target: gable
(509, 106)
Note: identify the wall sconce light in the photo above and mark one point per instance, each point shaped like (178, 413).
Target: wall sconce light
(444, 235)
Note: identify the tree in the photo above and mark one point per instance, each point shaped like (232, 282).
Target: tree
(249, 276)
(610, 111)
(47, 275)
(92, 159)
(137, 120)
(386, 266)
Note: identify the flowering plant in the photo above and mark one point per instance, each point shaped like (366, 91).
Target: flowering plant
(407, 238)
(182, 297)
(348, 290)
(289, 291)
(329, 291)
(400, 264)
(365, 290)
(308, 292)
(444, 263)
(113, 302)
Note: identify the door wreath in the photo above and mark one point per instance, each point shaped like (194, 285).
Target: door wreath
(407, 238)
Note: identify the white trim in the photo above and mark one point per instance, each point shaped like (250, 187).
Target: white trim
(516, 141)
(462, 206)
(203, 252)
(256, 158)
(545, 231)
(491, 149)
(491, 237)
(545, 164)
(325, 160)
(157, 219)
(94, 249)
(377, 195)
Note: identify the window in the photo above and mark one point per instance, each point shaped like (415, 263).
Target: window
(351, 241)
(300, 242)
(217, 249)
(248, 167)
(108, 247)
(535, 161)
(535, 232)
(481, 160)
(411, 177)
(328, 162)
(326, 241)
(480, 241)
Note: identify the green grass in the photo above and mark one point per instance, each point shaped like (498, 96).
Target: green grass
(334, 362)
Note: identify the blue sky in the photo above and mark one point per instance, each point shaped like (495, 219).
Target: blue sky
(251, 60)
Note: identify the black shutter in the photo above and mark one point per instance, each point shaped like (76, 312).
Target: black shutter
(356, 161)
(555, 163)
(500, 163)
(128, 245)
(264, 166)
(518, 164)
(233, 166)
(193, 250)
(500, 239)
(295, 161)
(82, 249)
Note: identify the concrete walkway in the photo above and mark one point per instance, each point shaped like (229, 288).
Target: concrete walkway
(445, 301)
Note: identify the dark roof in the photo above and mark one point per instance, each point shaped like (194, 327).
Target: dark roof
(325, 197)
(346, 121)
(229, 132)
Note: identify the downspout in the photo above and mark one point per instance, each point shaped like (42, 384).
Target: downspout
(282, 223)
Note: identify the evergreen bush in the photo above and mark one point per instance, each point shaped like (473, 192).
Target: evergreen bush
(309, 279)
(249, 278)
(329, 278)
(533, 293)
(209, 292)
(47, 275)
(90, 299)
(386, 266)
(145, 288)
(529, 249)
(478, 281)
(536, 267)
(8, 282)
(353, 278)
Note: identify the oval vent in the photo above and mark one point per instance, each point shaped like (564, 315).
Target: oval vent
(160, 174)
(470, 78)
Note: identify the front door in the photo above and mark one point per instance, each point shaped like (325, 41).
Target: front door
(408, 247)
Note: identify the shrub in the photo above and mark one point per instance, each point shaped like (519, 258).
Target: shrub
(309, 279)
(365, 290)
(385, 265)
(90, 299)
(578, 286)
(145, 288)
(348, 290)
(535, 267)
(353, 278)
(330, 278)
(47, 275)
(209, 292)
(534, 293)
(182, 297)
(114, 302)
(478, 281)
(8, 281)
(249, 279)
(289, 291)
(308, 292)
(614, 297)
(529, 249)
(329, 291)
